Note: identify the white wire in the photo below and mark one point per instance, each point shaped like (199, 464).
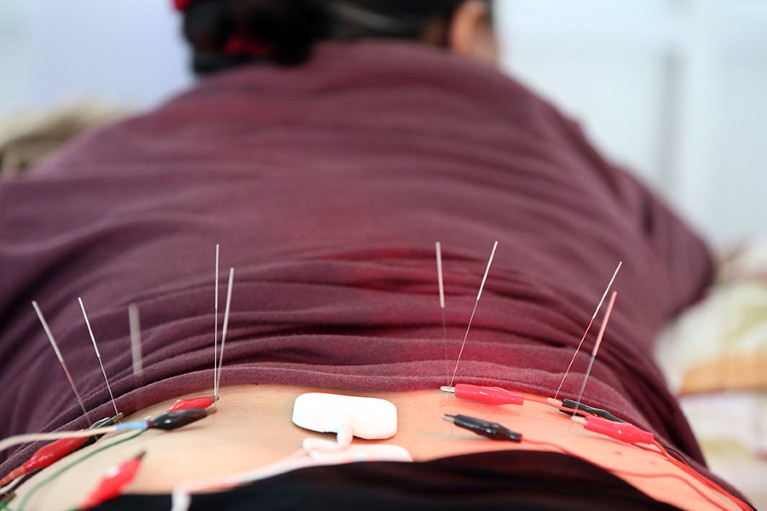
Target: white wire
(182, 493)
(58, 435)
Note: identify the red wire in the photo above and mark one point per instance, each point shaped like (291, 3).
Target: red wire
(13, 475)
(701, 479)
(663, 451)
(735, 500)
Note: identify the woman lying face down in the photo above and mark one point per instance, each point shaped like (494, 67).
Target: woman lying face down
(326, 149)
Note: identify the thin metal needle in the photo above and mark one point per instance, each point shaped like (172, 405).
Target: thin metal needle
(136, 353)
(588, 328)
(61, 359)
(135, 339)
(476, 302)
(438, 247)
(98, 355)
(594, 352)
(215, 330)
(224, 329)
(441, 288)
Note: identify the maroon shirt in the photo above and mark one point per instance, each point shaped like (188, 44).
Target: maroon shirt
(326, 186)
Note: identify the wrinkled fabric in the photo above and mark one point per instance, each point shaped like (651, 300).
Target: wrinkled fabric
(327, 186)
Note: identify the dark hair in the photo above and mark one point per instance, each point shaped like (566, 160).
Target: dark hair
(227, 33)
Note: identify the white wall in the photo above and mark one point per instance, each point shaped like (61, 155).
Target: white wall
(14, 53)
(675, 89)
(59, 51)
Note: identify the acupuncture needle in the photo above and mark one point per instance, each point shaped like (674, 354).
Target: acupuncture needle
(207, 401)
(440, 282)
(98, 355)
(588, 328)
(224, 329)
(215, 329)
(137, 356)
(473, 312)
(135, 340)
(61, 359)
(594, 352)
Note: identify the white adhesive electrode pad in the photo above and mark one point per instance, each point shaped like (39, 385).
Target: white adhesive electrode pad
(369, 418)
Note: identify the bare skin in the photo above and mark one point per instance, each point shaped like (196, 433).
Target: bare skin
(252, 428)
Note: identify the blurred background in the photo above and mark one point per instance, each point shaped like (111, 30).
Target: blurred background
(675, 90)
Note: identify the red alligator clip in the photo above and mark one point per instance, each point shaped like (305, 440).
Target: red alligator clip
(46, 456)
(622, 431)
(195, 403)
(116, 478)
(489, 395)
